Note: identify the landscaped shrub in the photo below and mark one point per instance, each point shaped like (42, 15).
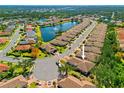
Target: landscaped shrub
(109, 71)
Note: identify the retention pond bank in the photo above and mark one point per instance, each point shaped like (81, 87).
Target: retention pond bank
(49, 33)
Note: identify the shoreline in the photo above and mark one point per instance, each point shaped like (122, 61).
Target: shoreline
(59, 31)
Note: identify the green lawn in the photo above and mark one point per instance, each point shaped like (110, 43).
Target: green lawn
(61, 49)
(32, 85)
(2, 46)
(109, 71)
(26, 54)
(15, 69)
(42, 55)
(75, 73)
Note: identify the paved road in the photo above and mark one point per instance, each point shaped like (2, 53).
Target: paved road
(79, 40)
(46, 69)
(13, 41)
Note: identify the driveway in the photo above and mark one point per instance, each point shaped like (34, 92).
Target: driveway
(15, 38)
(46, 69)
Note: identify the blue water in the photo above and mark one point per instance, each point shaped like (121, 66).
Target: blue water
(42, 20)
(49, 33)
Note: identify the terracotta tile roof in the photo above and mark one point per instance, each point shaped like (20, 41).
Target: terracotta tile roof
(3, 67)
(122, 46)
(17, 82)
(23, 47)
(3, 40)
(120, 35)
(121, 41)
(5, 33)
(72, 82)
(120, 29)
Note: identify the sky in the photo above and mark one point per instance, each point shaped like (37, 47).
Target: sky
(61, 2)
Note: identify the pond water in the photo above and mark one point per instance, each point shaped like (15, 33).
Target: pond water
(49, 33)
(42, 20)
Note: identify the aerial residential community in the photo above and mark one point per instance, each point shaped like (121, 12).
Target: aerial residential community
(61, 46)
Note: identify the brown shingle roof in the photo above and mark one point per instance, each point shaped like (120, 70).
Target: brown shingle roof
(18, 81)
(48, 48)
(92, 49)
(88, 56)
(91, 56)
(85, 66)
(67, 36)
(96, 44)
(90, 39)
(74, 61)
(98, 34)
(72, 82)
(58, 42)
(82, 65)
(64, 38)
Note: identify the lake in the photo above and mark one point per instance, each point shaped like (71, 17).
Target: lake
(42, 20)
(49, 33)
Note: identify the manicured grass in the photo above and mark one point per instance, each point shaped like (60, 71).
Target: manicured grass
(38, 34)
(2, 46)
(32, 85)
(61, 49)
(109, 71)
(41, 55)
(18, 70)
(15, 69)
(26, 54)
(76, 74)
(14, 54)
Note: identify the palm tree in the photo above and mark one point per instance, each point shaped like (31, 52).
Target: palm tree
(54, 84)
(24, 64)
(65, 69)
